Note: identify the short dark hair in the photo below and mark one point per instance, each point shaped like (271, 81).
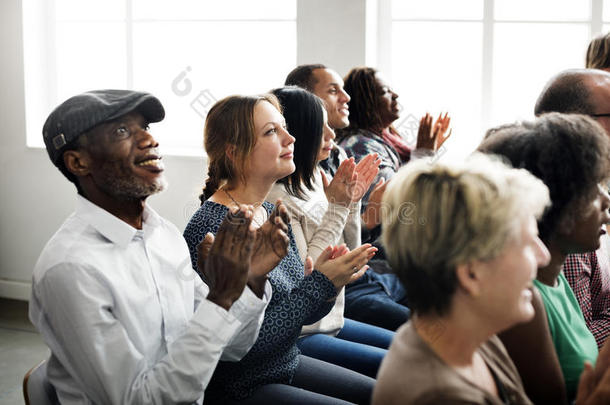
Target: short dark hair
(302, 76)
(570, 153)
(304, 115)
(567, 92)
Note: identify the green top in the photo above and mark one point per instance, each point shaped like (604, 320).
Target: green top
(573, 341)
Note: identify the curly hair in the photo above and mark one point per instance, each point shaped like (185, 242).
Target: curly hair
(361, 84)
(570, 153)
(230, 122)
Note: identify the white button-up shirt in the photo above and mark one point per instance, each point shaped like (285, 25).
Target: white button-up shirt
(125, 315)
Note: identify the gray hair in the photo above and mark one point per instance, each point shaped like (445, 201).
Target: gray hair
(458, 213)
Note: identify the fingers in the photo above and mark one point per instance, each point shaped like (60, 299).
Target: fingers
(341, 251)
(244, 245)
(366, 162)
(234, 231)
(324, 256)
(325, 181)
(203, 249)
(358, 274)
(281, 212)
(345, 169)
(360, 256)
(379, 184)
(586, 384)
(308, 266)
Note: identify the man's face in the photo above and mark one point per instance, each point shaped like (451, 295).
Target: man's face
(599, 96)
(329, 87)
(123, 158)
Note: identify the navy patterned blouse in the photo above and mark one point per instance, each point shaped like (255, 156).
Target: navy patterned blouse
(296, 301)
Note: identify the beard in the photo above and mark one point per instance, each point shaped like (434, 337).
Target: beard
(125, 185)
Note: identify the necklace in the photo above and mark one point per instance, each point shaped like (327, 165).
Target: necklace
(255, 207)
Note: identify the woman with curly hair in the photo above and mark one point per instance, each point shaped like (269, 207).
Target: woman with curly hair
(469, 272)
(372, 111)
(571, 155)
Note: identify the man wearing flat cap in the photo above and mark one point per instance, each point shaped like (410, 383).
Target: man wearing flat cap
(113, 293)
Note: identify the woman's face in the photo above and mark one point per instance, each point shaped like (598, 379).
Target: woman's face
(328, 136)
(506, 281)
(388, 106)
(271, 157)
(588, 224)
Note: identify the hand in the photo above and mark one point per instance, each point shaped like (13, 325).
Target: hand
(308, 266)
(432, 136)
(440, 128)
(366, 170)
(594, 384)
(371, 217)
(271, 246)
(224, 260)
(339, 190)
(342, 266)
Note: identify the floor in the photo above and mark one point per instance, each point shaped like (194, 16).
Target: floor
(21, 347)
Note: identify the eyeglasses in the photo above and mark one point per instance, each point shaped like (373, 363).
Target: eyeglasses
(599, 115)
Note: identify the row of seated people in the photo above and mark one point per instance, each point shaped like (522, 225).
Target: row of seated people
(283, 309)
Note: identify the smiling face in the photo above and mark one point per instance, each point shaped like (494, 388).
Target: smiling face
(329, 87)
(388, 106)
(328, 136)
(271, 157)
(588, 224)
(506, 281)
(123, 159)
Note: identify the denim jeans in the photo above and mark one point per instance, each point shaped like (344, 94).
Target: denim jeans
(314, 383)
(377, 299)
(359, 347)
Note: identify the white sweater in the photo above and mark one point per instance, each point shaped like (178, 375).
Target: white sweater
(316, 224)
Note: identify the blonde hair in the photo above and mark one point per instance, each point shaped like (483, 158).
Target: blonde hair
(230, 122)
(598, 52)
(436, 217)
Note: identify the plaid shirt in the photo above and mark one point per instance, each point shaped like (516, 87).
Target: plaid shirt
(589, 277)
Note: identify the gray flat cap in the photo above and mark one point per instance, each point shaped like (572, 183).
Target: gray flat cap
(85, 111)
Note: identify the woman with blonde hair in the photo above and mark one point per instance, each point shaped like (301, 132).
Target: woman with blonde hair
(249, 149)
(598, 53)
(463, 238)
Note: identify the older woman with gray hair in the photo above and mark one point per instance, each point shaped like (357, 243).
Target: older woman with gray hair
(463, 239)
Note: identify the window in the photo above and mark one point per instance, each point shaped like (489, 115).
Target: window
(484, 61)
(188, 53)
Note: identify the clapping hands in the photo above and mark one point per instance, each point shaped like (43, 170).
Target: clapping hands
(433, 136)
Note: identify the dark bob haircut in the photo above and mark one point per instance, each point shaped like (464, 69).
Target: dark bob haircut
(570, 153)
(304, 115)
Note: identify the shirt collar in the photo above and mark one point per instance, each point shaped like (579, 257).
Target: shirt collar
(110, 226)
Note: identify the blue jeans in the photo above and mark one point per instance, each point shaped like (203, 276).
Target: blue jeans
(359, 347)
(314, 383)
(377, 299)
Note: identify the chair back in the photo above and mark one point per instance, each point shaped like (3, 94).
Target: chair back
(37, 390)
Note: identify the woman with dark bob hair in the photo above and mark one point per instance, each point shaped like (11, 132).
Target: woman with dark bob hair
(571, 155)
(463, 238)
(320, 215)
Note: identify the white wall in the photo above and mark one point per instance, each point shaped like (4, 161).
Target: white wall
(35, 198)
